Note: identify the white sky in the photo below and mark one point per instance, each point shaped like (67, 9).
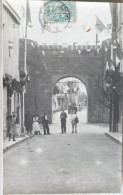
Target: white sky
(86, 12)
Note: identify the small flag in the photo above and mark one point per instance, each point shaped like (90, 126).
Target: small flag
(100, 26)
(88, 30)
(107, 66)
(110, 63)
(117, 61)
(112, 67)
(28, 15)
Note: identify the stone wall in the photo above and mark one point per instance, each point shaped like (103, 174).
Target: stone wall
(39, 89)
(47, 67)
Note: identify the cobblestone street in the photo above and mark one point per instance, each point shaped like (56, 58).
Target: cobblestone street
(64, 163)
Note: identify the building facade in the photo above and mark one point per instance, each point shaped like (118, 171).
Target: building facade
(11, 78)
(59, 101)
(113, 68)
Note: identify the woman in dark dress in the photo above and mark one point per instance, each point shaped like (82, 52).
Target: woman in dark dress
(28, 122)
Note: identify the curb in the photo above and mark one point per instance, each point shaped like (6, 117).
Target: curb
(113, 138)
(14, 144)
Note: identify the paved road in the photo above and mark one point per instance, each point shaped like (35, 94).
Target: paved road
(64, 163)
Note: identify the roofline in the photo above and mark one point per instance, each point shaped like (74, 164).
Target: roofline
(12, 11)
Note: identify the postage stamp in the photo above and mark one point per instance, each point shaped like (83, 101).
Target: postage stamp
(59, 12)
(55, 16)
(72, 8)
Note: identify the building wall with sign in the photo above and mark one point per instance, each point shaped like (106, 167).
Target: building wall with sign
(11, 23)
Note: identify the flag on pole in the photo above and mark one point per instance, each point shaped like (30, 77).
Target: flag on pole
(100, 26)
(28, 15)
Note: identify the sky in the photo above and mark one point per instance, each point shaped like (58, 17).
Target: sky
(86, 13)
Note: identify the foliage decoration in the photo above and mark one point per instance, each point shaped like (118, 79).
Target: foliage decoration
(22, 74)
(56, 90)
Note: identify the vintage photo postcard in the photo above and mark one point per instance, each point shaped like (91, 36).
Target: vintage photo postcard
(62, 97)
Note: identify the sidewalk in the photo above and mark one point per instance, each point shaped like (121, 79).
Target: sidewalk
(9, 144)
(116, 136)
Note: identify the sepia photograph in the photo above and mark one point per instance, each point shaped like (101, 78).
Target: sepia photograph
(62, 109)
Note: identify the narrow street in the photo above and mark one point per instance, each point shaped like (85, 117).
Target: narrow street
(85, 162)
(55, 55)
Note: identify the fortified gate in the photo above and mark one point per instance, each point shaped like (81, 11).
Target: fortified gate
(47, 64)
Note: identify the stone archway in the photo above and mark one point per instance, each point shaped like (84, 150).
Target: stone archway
(51, 65)
(82, 78)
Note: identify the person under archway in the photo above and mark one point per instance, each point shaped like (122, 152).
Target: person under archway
(74, 108)
(74, 121)
(63, 117)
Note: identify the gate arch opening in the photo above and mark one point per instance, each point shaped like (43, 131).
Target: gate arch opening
(69, 91)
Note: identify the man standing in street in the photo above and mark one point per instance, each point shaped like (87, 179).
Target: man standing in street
(45, 123)
(63, 117)
(12, 126)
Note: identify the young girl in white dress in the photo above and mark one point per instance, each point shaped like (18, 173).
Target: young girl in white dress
(35, 125)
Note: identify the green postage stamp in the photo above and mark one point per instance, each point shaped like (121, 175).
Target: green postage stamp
(60, 11)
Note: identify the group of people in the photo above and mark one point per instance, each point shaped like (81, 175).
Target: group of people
(32, 123)
(74, 120)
